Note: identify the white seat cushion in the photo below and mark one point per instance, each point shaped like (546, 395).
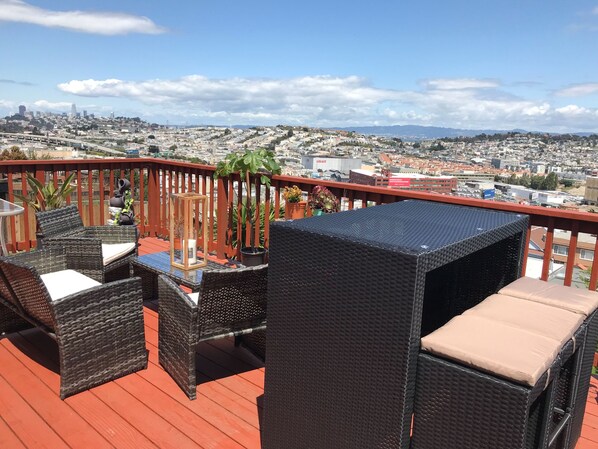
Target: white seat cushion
(114, 251)
(578, 300)
(194, 297)
(66, 282)
(494, 347)
(548, 321)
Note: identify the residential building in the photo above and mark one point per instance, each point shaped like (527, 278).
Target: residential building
(591, 193)
(342, 164)
(405, 181)
(584, 253)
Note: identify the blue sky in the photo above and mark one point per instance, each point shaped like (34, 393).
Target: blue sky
(498, 65)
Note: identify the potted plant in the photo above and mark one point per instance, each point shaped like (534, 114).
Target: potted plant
(248, 164)
(323, 201)
(294, 207)
(46, 197)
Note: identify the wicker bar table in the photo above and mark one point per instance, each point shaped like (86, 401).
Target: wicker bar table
(350, 294)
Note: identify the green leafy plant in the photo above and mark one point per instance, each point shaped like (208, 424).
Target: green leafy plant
(46, 197)
(249, 163)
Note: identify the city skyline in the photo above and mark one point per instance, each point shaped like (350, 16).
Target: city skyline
(498, 66)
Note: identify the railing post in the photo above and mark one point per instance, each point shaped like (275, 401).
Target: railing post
(153, 199)
(222, 217)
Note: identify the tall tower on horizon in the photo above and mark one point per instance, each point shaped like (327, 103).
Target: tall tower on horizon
(22, 110)
(73, 110)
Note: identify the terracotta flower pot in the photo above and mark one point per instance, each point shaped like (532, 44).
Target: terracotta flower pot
(295, 211)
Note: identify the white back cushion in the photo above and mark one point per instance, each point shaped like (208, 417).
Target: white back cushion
(114, 251)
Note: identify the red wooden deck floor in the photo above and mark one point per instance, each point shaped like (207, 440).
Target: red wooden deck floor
(146, 409)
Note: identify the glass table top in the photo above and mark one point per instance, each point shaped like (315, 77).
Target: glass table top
(160, 262)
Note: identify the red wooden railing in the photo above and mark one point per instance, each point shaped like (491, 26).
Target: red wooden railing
(154, 180)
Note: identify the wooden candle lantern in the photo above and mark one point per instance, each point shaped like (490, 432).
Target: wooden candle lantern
(184, 221)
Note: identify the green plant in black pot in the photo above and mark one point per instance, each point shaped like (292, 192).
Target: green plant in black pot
(249, 164)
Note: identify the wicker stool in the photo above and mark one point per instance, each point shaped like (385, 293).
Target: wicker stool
(489, 378)
(581, 301)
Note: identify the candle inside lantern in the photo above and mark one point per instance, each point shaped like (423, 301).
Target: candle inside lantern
(192, 251)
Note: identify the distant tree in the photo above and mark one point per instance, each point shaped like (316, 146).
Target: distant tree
(567, 183)
(525, 180)
(537, 182)
(513, 179)
(550, 182)
(437, 146)
(14, 153)
(172, 148)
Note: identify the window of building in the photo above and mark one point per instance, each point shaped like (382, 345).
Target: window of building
(560, 250)
(586, 254)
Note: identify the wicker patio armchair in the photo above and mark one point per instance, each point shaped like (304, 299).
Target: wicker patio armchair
(229, 303)
(98, 328)
(103, 252)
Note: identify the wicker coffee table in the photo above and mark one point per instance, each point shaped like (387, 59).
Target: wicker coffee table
(149, 266)
(349, 295)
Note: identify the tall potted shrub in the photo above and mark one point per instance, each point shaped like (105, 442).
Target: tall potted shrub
(248, 164)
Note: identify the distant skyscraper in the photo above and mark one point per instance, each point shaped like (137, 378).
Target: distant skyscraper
(22, 110)
(84, 113)
(73, 110)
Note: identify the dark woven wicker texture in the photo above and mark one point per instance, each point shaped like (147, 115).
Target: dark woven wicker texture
(256, 343)
(231, 303)
(63, 227)
(11, 321)
(460, 408)
(99, 331)
(349, 294)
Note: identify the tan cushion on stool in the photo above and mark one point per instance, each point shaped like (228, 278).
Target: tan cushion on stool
(494, 347)
(548, 321)
(578, 300)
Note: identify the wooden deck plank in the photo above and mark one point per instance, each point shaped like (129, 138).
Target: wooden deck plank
(71, 428)
(210, 407)
(208, 369)
(101, 417)
(8, 438)
(237, 405)
(190, 422)
(24, 421)
(225, 377)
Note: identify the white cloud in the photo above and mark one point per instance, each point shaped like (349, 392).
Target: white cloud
(578, 90)
(336, 101)
(459, 84)
(106, 23)
(44, 105)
